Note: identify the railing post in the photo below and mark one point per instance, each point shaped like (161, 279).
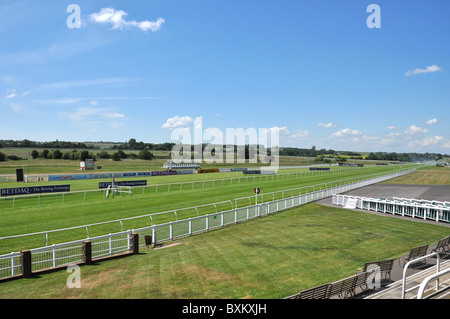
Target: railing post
(54, 256)
(111, 251)
(26, 263)
(87, 252)
(134, 243)
(154, 233)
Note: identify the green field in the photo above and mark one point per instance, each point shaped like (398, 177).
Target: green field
(430, 175)
(51, 214)
(271, 257)
(50, 166)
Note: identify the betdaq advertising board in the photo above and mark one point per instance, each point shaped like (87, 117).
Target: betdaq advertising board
(34, 190)
(122, 183)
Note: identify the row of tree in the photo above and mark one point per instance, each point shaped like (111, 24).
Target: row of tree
(83, 155)
(54, 144)
(404, 157)
(133, 144)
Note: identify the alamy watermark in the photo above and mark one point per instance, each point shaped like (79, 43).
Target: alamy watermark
(374, 279)
(74, 19)
(374, 19)
(235, 145)
(74, 279)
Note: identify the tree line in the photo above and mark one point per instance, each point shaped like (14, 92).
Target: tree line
(54, 144)
(145, 153)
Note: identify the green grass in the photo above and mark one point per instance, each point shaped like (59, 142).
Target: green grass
(430, 175)
(53, 215)
(271, 257)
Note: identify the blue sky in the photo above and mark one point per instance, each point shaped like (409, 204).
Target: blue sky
(312, 70)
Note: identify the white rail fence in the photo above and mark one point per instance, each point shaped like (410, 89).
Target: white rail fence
(247, 201)
(83, 195)
(67, 253)
(414, 208)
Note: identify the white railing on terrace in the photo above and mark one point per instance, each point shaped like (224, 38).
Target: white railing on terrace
(66, 253)
(423, 285)
(426, 210)
(165, 187)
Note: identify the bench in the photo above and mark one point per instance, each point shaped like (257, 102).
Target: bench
(385, 266)
(319, 292)
(347, 287)
(441, 245)
(415, 252)
(344, 288)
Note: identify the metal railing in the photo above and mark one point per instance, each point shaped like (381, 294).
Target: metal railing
(406, 266)
(174, 212)
(37, 199)
(428, 279)
(436, 211)
(58, 255)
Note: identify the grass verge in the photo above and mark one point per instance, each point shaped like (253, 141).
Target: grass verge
(271, 257)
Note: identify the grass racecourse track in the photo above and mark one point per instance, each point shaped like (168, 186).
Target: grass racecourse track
(270, 258)
(429, 175)
(52, 214)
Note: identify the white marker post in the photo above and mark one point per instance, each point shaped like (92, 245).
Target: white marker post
(257, 191)
(112, 185)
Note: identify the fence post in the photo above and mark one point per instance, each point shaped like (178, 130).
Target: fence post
(25, 261)
(134, 243)
(110, 241)
(154, 233)
(54, 260)
(87, 252)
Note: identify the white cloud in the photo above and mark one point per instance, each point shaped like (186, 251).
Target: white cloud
(415, 130)
(87, 115)
(177, 121)
(117, 19)
(346, 133)
(94, 100)
(112, 115)
(392, 127)
(301, 134)
(19, 108)
(81, 83)
(53, 52)
(446, 144)
(394, 134)
(327, 125)
(429, 69)
(281, 130)
(148, 25)
(428, 141)
(11, 93)
(432, 121)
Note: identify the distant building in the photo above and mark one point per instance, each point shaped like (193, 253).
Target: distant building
(172, 165)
